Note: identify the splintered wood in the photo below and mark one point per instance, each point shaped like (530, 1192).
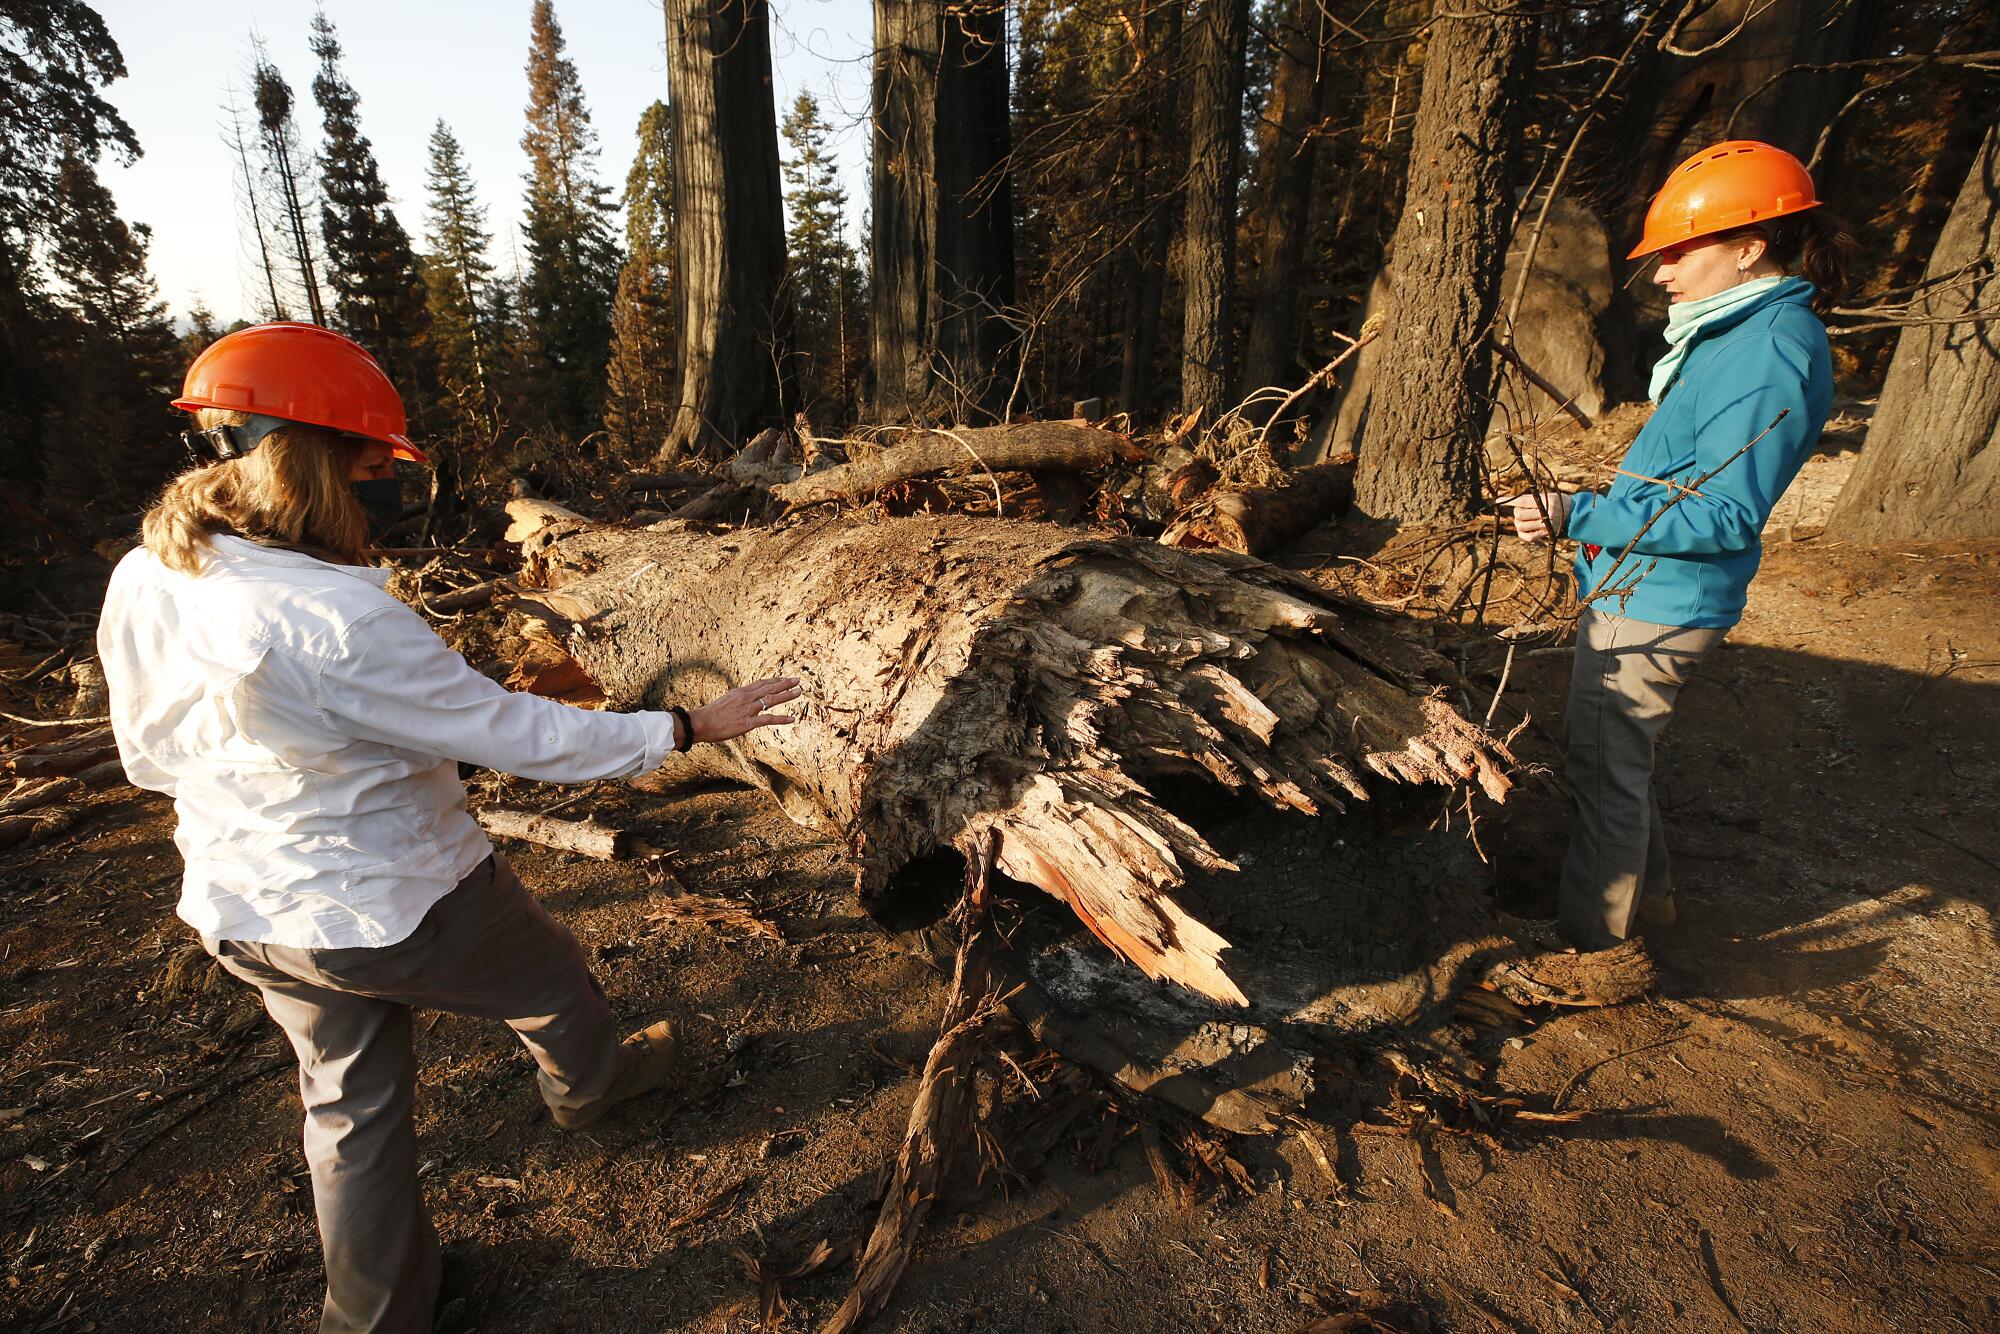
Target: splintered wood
(964, 677)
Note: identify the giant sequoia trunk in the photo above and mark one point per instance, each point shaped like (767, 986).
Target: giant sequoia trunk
(1931, 466)
(1420, 448)
(729, 220)
(1208, 248)
(943, 233)
(970, 679)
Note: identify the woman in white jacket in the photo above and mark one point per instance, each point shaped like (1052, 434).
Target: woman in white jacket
(308, 727)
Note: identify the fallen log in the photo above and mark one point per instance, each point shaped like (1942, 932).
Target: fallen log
(1018, 447)
(57, 763)
(37, 827)
(1261, 519)
(964, 676)
(32, 795)
(585, 837)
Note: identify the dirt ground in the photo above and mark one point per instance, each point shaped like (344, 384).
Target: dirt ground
(1797, 1132)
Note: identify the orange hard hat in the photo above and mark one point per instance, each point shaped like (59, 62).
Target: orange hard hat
(1730, 185)
(300, 373)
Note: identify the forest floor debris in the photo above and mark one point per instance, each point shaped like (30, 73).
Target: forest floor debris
(1794, 1132)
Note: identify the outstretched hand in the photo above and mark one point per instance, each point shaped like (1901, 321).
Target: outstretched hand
(744, 709)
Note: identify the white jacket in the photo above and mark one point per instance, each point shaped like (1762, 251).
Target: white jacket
(307, 726)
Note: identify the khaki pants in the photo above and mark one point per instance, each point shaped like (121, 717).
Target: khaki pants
(488, 949)
(1621, 693)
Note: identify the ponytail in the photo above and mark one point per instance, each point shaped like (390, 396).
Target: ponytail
(1814, 245)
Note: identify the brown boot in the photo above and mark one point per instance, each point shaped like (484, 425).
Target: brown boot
(1657, 911)
(652, 1057)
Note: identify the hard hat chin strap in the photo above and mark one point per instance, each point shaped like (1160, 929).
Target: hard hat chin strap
(228, 442)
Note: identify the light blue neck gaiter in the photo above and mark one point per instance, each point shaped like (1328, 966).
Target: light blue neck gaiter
(1685, 319)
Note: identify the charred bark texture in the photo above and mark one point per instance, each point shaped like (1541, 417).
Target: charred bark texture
(1420, 449)
(1931, 466)
(968, 679)
(1146, 296)
(943, 233)
(729, 239)
(1208, 248)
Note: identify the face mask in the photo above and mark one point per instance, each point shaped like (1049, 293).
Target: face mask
(382, 497)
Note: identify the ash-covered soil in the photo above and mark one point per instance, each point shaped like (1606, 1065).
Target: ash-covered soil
(1796, 1133)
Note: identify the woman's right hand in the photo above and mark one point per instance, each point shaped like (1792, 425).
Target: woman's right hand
(1540, 516)
(744, 709)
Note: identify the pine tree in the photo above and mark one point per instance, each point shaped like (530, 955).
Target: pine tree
(822, 269)
(572, 259)
(201, 331)
(285, 179)
(378, 290)
(638, 404)
(118, 359)
(457, 277)
(57, 54)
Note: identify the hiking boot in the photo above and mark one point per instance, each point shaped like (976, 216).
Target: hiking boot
(1656, 911)
(652, 1057)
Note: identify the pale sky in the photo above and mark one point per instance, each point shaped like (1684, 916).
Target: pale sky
(411, 62)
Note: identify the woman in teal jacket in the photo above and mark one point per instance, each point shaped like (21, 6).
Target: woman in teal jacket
(1666, 555)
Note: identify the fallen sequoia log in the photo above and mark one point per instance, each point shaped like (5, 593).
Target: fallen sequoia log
(967, 680)
(1016, 447)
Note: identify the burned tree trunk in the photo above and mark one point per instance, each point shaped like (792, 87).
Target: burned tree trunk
(729, 237)
(1299, 96)
(942, 245)
(1147, 255)
(1931, 465)
(968, 679)
(1420, 450)
(1208, 249)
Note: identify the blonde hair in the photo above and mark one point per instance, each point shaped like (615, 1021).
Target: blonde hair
(292, 490)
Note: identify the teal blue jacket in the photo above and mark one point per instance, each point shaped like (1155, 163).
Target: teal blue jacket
(1692, 568)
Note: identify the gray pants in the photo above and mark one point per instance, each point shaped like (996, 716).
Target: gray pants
(1621, 694)
(488, 949)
